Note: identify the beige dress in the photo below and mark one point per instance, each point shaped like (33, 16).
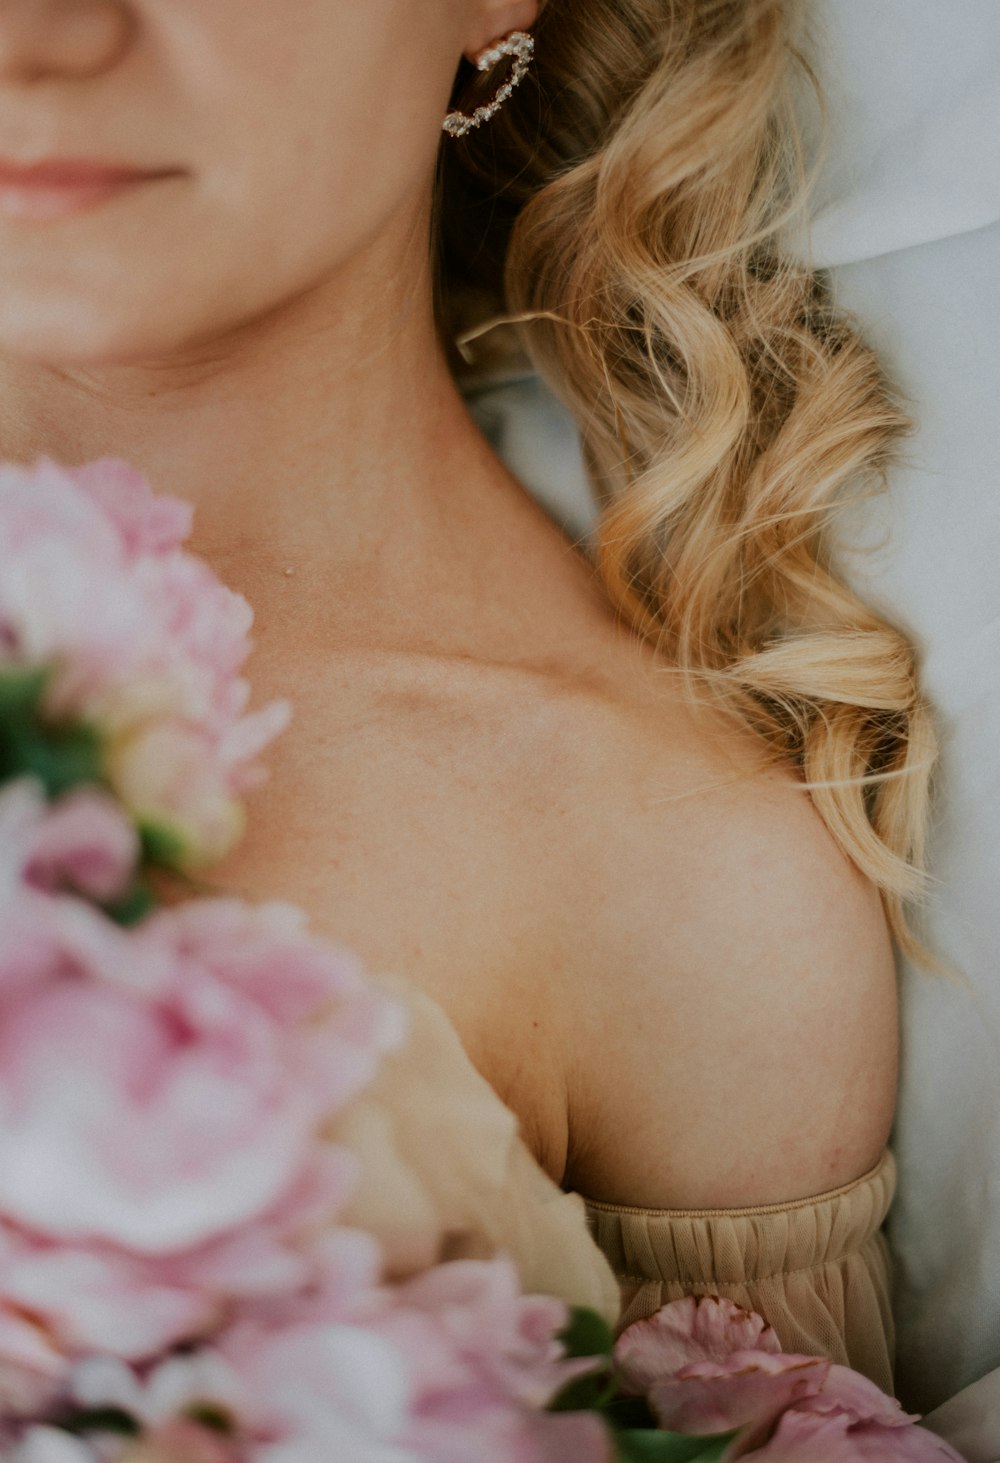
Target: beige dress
(817, 1270)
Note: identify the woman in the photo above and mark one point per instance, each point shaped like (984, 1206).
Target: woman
(565, 798)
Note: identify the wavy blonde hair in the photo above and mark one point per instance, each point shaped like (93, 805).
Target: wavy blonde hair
(632, 202)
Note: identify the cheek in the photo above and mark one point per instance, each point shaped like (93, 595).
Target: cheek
(334, 134)
(354, 149)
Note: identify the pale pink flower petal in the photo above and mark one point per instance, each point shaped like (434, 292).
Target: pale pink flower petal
(263, 1269)
(903, 1445)
(479, 1311)
(803, 1437)
(749, 1389)
(31, 1367)
(692, 1364)
(800, 1438)
(343, 1024)
(148, 522)
(179, 1093)
(84, 842)
(457, 1365)
(243, 742)
(313, 1381)
(100, 1302)
(117, 1123)
(244, 944)
(696, 1328)
(43, 1444)
(847, 1393)
(170, 1388)
(41, 934)
(117, 1304)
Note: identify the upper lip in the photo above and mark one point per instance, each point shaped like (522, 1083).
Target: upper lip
(70, 172)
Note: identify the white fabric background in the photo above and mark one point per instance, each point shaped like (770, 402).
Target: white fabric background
(909, 222)
(907, 218)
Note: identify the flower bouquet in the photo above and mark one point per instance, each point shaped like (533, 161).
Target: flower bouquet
(255, 1204)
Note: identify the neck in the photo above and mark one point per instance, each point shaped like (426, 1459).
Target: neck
(328, 430)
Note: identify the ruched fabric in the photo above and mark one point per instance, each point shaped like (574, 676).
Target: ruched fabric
(817, 1270)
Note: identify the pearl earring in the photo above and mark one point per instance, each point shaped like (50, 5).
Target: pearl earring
(518, 45)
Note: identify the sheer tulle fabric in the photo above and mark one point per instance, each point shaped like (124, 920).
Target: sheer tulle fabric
(818, 1270)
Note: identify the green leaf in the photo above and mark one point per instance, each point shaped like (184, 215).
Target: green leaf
(211, 1416)
(663, 1447)
(625, 1413)
(133, 906)
(63, 757)
(21, 691)
(162, 844)
(587, 1334)
(590, 1393)
(97, 1419)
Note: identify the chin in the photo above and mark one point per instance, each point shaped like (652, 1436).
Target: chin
(73, 330)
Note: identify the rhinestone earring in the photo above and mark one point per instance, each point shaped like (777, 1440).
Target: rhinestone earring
(521, 48)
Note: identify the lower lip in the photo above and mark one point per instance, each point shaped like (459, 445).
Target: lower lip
(40, 202)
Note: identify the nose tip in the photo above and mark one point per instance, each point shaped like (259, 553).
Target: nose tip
(52, 38)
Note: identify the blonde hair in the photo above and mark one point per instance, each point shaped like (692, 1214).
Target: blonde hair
(631, 201)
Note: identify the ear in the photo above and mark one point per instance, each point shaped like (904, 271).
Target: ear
(492, 19)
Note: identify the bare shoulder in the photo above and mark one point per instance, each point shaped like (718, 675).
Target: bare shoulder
(735, 1032)
(649, 943)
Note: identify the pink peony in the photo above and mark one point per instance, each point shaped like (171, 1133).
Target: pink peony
(453, 1366)
(31, 1366)
(456, 1366)
(164, 1095)
(706, 1366)
(42, 1444)
(83, 842)
(475, 1311)
(484, 1361)
(101, 1301)
(140, 639)
(178, 1093)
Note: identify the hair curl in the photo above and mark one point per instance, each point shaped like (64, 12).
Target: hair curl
(632, 203)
